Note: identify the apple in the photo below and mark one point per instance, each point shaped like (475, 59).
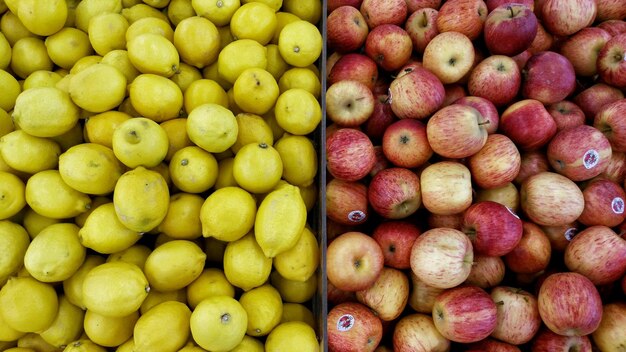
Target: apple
(486, 272)
(349, 154)
(330, 62)
(346, 201)
(496, 164)
(610, 10)
(415, 5)
(507, 195)
(616, 169)
(416, 93)
(396, 238)
(379, 12)
(569, 304)
(354, 261)
(464, 16)
(465, 314)
(604, 204)
(422, 296)
(592, 99)
(417, 333)
(486, 108)
(548, 77)
(449, 55)
(610, 335)
(551, 199)
(349, 103)
(389, 46)
(336, 296)
(609, 120)
(405, 143)
(381, 162)
(566, 114)
(492, 4)
(543, 41)
(394, 193)
(334, 4)
(492, 345)
(528, 124)
(346, 29)
(454, 92)
(518, 317)
(422, 27)
(493, 228)
(598, 253)
(522, 58)
(381, 118)
(454, 124)
(614, 27)
(582, 48)
(354, 67)
(533, 162)
(611, 62)
(547, 341)
(442, 257)
(565, 17)
(510, 29)
(353, 327)
(453, 221)
(533, 252)
(496, 78)
(559, 236)
(388, 295)
(446, 187)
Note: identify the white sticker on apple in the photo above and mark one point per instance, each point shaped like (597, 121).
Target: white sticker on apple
(512, 212)
(617, 205)
(356, 216)
(570, 233)
(345, 322)
(591, 159)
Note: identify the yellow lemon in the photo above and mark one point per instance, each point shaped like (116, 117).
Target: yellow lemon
(10, 91)
(159, 4)
(47, 194)
(27, 153)
(218, 12)
(5, 52)
(130, 3)
(294, 291)
(264, 308)
(73, 287)
(67, 325)
(290, 336)
(245, 265)
(252, 129)
(197, 41)
(276, 65)
(36, 342)
(299, 158)
(183, 217)
(42, 17)
(109, 331)
(11, 195)
(226, 36)
(127, 346)
(204, 91)
(84, 345)
(45, 112)
(99, 128)
(84, 62)
(34, 222)
(9, 335)
(249, 344)
(104, 233)
(255, 91)
(308, 10)
(228, 214)
(140, 10)
(257, 167)
(211, 72)
(174, 265)
(96, 202)
(70, 138)
(152, 25)
(274, 4)
(173, 317)
(282, 19)
(127, 108)
(218, 323)
(190, 347)
(163, 170)
(225, 176)
(230, 62)
(178, 10)
(71, 13)
(15, 240)
(300, 43)
(301, 261)
(120, 60)
(185, 76)
(87, 9)
(153, 53)
(136, 254)
(309, 195)
(140, 141)
(67, 46)
(29, 54)
(297, 111)
(193, 169)
(98, 88)
(176, 134)
(298, 312)
(28, 305)
(212, 127)
(107, 32)
(90, 168)
(157, 297)
(254, 20)
(298, 77)
(39, 79)
(55, 254)
(141, 198)
(156, 97)
(115, 289)
(6, 123)
(212, 282)
(13, 28)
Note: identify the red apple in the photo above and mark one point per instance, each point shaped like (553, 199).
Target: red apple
(336, 296)
(518, 316)
(346, 29)
(548, 77)
(354, 261)
(614, 27)
(610, 10)
(591, 100)
(388, 295)
(334, 4)
(449, 55)
(533, 252)
(381, 162)
(492, 4)
(493, 228)
(486, 272)
(547, 341)
(497, 79)
(454, 92)
(405, 143)
(414, 5)
(528, 124)
(610, 335)
(346, 201)
(510, 29)
(349, 103)
(566, 114)
(353, 327)
(569, 304)
(381, 118)
(507, 195)
(543, 41)
(389, 46)
(485, 108)
(416, 94)
(422, 296)
(442, 257)
(616, 169)
(560, 236)
(582, 48)
(604, 204)
(565, 17)
(422, 27)
(465, 314)
(379, 12)
(612, 62)
(522, 58)
(330, 62)
(355, 67)
(349, 154)
(456, 131)
(610, 121)
(446, 187)
(551, 199)
(464, 16)
(496, 164)
(533, 162)
(396, 238)
(492, 345)
(394, 193)
(417, 333)
(453, 221)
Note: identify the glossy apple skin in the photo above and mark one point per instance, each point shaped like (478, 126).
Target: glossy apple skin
(446, 188)
(510, 29)
(388, 295)
(422, 27)
(346, 29)
(569, 304)
(353, 327)
(379, 12)
(610, 121)
(349, 154)
(566, 114)
(463, 16)
(354, 67)
(611, 63)
(493, 229)
(448, 46)
(610, 10)
(528, 124)
(533, 252)
(614, 27)
(346, 202)
(563, 17)
(507, 195)
(381, 162)
(611, 335)
(492, 345)
(394, 193)
(532, 162)
(416, 93)
(591, 100)
(547, 341)
(486, 108)
(396, 238)
(349, 103)
(417, 333)
(496, 163)
(389, 46)
(486, 272)
(453, 221)
(405, 143)
(604, 204)
(414, 5)
(548, 77)
(616, 170)
(543, 41)
(455, 123)
(497, 78)
(582, 49)
(381, 118)
(518, 315)
(551, 199)
(334, 4)
(422, 296)
(354, 261)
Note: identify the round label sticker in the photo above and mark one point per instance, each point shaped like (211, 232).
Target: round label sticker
(617, 204)
(512, 212)
(591, 158)
(345, 322)
(356, 216)
(570, 233)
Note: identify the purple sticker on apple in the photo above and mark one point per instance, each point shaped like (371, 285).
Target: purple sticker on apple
(356, 216)
(570, 233)
(617, 204)
(591, 158)
(345, 322)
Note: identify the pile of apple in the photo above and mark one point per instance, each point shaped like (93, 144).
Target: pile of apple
(475, 154)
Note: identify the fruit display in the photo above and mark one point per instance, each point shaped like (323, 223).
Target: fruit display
(159, 175)
(475, 175)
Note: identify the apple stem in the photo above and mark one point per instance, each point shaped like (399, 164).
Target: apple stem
(500, 303)
(424, 22)
(486, 122)
(511, 10)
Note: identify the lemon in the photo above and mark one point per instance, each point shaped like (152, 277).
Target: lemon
(159, 4)
(282, 19)
(83, 345)
(99, 128)
(140, 141)
(228, 214)
(11, 195)
(297, 111)
(308, 10)
(191, 348)
(299, 158)
(67, 325)
(141, 198)
(98, 88)
(28, 305)
(73, 287)
(42, 17)
(177, 135)
(13, 29)
(264, 308)
(70, 138)
(109, 331)
(173, 317)
(212, 127)
(204, 91)
(153, 53)
(276, 65)
(257, 167)
(212, 282)
(226, 36)
(127, 346)
(163, 170)
(96, 202)
(299, 77)
(156, 97)
(230, 62)
(104, 233)
(218, 323)
(300, 43)
(34, 222)
(87, 9)
(85, 62)
(185, 76)
(41, 78)
(252, 129)
(225, 176)
(136, 254)
(218, 12)
(211, 72)
(174, 265)
(14, 240)
(249, 344)
(120, 60)
(7, 334)
(298, 312)
(27, 153)
(127, 108)
(157, 297)
(115, 289)
(291, 336)
(182, 220)
(55, 254)
(29, 54)
(178, 10)
(245, 265)
(67, 46)
(5, 52)
(139, 11)
(71, 13)
(300, 262)
(90, 168)
(107, 32)
(35, 342)
(6, 123)
(152, 25)
(197, 41)
(274, 4)
(10, 90)
(254, 20)
(193, 169)
(47, 194)
(45, 112)
(255, 91)
(309, 195)
(294, 291)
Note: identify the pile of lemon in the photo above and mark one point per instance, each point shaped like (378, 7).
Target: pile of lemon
(157, 165)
